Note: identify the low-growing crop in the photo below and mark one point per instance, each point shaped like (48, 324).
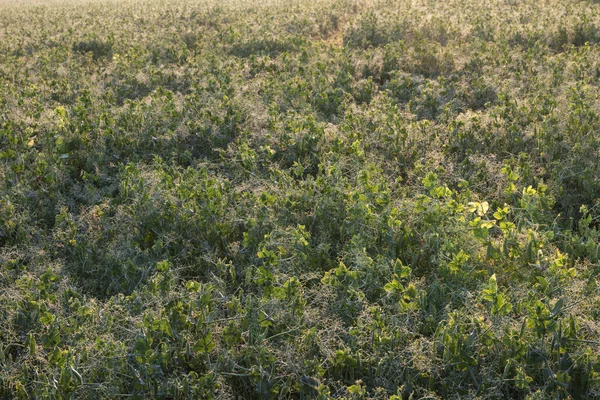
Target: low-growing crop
(331, 199)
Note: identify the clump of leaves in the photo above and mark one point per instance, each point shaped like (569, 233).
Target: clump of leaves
(100, 49)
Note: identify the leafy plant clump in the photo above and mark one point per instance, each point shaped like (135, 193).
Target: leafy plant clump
(331, 199)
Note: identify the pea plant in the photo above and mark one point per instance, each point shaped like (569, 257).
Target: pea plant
(331, 199)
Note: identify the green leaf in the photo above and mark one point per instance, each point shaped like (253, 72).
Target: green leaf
(165, 327)
(557, 308)
(401, 270)
(458, 261)
(46, 318)
(393, 286)
(480, 208)
(429, 180)
(163, 266)
(264, 276)
(491, 291)
(192, 286)
(472, 207)
(205, 344)
(31, 342)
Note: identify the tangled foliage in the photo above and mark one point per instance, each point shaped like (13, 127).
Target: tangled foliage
(299, 199)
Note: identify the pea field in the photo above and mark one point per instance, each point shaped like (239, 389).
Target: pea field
(299, 199)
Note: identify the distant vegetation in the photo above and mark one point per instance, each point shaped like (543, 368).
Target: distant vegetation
(298, 199)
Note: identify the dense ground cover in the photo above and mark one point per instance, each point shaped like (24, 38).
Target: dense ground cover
(300, 199)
